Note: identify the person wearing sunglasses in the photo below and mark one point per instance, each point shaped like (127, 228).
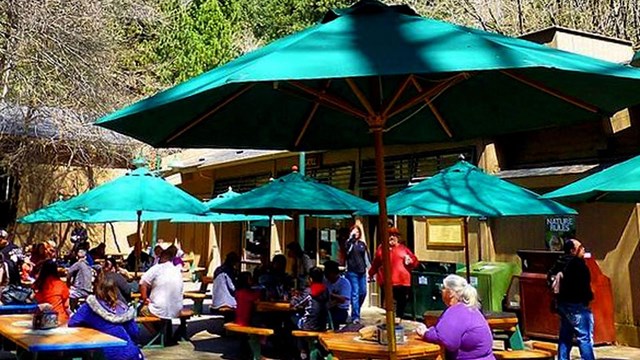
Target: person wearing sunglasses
(461, 329)
(571, 283)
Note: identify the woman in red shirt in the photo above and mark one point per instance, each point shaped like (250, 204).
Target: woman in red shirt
(402, 262)
(50, 289)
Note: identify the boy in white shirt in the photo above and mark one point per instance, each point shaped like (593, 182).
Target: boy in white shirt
(339, 293)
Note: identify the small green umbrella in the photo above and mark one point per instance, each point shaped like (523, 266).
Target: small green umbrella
(294, 194)
(617, 183)
(464, 190)
(137, 192)
(214, 217)
(59, 213)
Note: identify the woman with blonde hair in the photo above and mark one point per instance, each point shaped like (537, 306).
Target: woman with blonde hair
(104, 312)
(461, 329)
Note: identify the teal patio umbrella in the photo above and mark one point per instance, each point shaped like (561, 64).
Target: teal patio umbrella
(211, 216)
(136, 193)
(59, 213)
(380, 69)
(464, 190)
(617, 183)
(293, 194)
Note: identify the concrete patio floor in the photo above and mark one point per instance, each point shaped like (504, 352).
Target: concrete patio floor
(208, 341)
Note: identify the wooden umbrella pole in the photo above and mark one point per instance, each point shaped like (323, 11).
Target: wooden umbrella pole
(465, 230)
(138, 246)
(384, 240)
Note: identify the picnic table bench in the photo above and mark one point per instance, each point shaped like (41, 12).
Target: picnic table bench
(254, 334)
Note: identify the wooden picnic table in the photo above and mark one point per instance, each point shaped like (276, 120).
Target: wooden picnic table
(17, 329)
(348, 345)
(273, 306)
(501, 322)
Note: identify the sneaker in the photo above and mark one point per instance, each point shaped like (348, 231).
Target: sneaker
(356, 321)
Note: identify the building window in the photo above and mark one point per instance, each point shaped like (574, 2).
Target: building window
(400, 170)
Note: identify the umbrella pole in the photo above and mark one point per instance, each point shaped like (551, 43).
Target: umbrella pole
(467, 261)
(384, 240)
(138, 246)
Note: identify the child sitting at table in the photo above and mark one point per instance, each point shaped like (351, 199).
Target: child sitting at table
(313, 299)
(246, 297)
(339, 294)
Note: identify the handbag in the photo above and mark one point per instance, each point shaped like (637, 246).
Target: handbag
(16, 295)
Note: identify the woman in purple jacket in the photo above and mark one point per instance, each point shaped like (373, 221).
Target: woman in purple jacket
(462, 329)
(104, 312)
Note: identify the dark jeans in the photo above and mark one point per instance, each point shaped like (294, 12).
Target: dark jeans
(400, 296)
(575, 320)
(338, 317)
(358, 292)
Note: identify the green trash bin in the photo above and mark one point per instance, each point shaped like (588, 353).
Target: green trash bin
(492, 280)
(425, 287)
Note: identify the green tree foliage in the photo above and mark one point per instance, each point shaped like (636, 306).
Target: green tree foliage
(195, 37)
(272, 19)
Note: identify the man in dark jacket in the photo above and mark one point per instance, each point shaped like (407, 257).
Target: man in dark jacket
(573, 284)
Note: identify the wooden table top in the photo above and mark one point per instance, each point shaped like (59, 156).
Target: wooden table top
(496, 320)
(273, 306)
(348, 345)
(17, 329)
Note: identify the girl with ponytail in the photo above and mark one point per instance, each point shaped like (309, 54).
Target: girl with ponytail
(462, 329)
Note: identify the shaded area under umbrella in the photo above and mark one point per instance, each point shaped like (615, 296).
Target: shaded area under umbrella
(464, 190)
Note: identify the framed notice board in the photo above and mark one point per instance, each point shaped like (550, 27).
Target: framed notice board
(445, 232)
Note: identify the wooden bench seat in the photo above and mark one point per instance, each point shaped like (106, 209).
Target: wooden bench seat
(305, 333)
(198, 299)
(158, 332)
(251, 330)
(312, 341)
(546, 346)
(523, 354)
(254, 336)
(147, 319)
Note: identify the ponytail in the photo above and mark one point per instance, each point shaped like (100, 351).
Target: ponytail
(462, 290)
(469, 296)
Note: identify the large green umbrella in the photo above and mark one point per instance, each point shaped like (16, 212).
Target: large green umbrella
(617, 183)
(464, 190)
(294, 194)
(379, 69)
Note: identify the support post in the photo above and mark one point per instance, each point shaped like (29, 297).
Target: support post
(465, 231)
(302, 162)
(383, 232)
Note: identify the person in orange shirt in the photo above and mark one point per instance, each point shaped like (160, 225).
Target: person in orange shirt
(402, 262)
(50, 289)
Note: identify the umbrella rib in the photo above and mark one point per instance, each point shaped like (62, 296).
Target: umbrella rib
(536, 85)
(215, 109)
(314, 109)
(434, 110)
(436, 90)
(397, 95)
(330, 99)
(360, 95)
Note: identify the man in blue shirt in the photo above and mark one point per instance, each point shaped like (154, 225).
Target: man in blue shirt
(339, 293)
